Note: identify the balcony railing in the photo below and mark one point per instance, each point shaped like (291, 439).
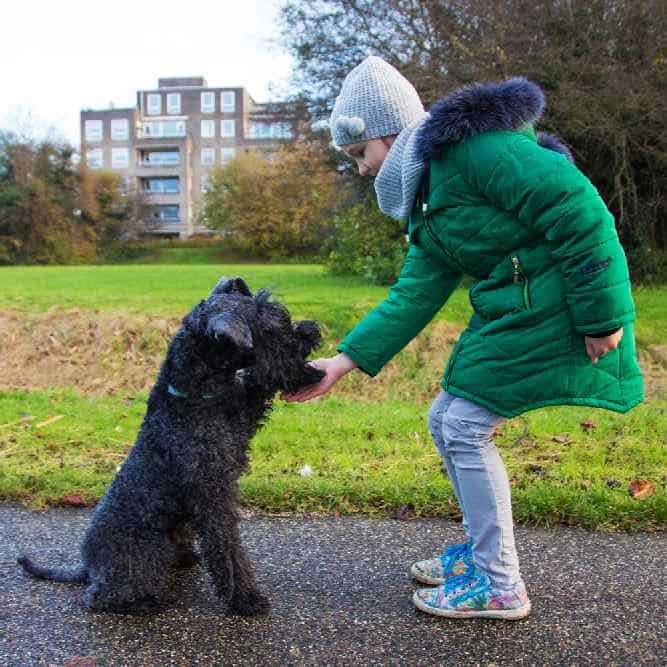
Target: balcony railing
(165, 163)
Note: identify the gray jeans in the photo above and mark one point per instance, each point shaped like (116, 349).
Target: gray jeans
(463, 434)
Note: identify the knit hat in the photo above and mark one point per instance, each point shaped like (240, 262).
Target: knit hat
(376, 100)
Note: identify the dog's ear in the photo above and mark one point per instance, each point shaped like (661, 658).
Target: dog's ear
(309, 335)
(229, 285)
(232, 327)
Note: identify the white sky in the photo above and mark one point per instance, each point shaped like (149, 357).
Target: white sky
(57, 58)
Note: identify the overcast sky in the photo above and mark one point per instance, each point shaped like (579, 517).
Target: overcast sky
(57, 58)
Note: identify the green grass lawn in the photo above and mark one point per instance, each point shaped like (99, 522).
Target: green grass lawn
(370, 455)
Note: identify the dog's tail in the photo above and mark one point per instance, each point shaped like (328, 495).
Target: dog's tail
(78, 575)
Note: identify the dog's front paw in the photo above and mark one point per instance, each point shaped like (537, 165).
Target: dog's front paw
(251, 603)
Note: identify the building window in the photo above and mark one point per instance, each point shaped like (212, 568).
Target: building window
(164, 128)
(173, 103)
(227, 154)
(167, 213)
(159, 158)
(168, 186)
(208, 128)
(94, 159)
(120, 158)
(120, 129)
(207, 102)
(93, 130)
(208, 155)
(228, 101)
(228, 128)
(154, 104)
(264, 130)
(205, 184)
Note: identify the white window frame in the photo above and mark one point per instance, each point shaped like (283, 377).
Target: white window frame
(210, 132)
(94, 130)
(120, 129)
(207, 108)
(120, 158)
(173, 103)
(208, 151)
(95, 158)
(227, 153)
(228, 100)
(157, 128)
(227, 123)
(153, 104)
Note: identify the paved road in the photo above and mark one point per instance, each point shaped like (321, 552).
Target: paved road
(341, 596)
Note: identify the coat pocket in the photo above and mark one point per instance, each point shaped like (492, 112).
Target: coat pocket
(505, 291)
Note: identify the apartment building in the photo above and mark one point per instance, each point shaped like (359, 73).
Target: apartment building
(167, 145)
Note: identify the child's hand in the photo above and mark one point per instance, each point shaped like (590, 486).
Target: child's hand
(597, 347)
(334, 367)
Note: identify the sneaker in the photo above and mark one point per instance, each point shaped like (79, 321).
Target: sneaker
(435, 571)
(470, 595)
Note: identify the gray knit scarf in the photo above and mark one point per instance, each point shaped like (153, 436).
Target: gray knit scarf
(397, 181)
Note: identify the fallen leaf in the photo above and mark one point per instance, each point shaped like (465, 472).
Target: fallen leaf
(80, 661)
(562, 439)
(613, 483)
(641, 488)
(73, 500)
(588, 425)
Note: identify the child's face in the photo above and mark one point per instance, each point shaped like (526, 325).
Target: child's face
(370, 154)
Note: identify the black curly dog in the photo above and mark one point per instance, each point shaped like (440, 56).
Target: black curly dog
(215, 388)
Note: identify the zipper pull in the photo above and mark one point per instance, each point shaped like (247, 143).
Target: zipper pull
(517, 270)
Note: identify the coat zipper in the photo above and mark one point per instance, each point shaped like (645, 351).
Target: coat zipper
(519, 276)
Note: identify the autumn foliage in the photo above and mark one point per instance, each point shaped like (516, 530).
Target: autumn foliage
(53, 211)
(277, 205)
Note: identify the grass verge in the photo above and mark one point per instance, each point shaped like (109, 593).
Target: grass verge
(566, 465)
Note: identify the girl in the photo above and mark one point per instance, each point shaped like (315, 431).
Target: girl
(486, 196)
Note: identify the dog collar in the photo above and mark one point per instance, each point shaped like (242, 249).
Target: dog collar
(179, 394)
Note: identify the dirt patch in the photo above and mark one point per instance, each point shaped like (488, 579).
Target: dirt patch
(106, 353)
(98, 353)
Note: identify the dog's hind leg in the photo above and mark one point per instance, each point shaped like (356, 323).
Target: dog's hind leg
(131, 578)
(227, 562)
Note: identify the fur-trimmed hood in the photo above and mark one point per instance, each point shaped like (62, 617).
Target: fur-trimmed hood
(487, 107)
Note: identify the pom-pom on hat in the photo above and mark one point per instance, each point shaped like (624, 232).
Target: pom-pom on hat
(376, 100)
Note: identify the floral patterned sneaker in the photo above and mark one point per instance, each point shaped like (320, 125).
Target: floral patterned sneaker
(435, 571)
(470, 595)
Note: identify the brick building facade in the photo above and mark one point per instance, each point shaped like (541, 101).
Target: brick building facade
(166, 146)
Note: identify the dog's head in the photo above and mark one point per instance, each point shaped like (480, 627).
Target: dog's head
(233, 329)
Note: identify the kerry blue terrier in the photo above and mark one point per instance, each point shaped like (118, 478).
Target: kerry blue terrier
(215, 388)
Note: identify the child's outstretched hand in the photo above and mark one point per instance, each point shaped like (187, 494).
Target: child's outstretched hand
(334, 367)
(597, 347)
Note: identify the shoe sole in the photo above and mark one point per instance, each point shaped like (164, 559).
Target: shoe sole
(505, 614)
(424, 578)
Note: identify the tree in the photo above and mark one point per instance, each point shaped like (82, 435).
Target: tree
(602, 63)
(274, 205)
(52, 211)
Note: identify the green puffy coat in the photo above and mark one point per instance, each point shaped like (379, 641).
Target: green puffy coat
(548, 269)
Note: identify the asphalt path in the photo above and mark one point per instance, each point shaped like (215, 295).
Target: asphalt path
(341, 596)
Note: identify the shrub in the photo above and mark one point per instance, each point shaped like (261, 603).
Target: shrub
(365, 243)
